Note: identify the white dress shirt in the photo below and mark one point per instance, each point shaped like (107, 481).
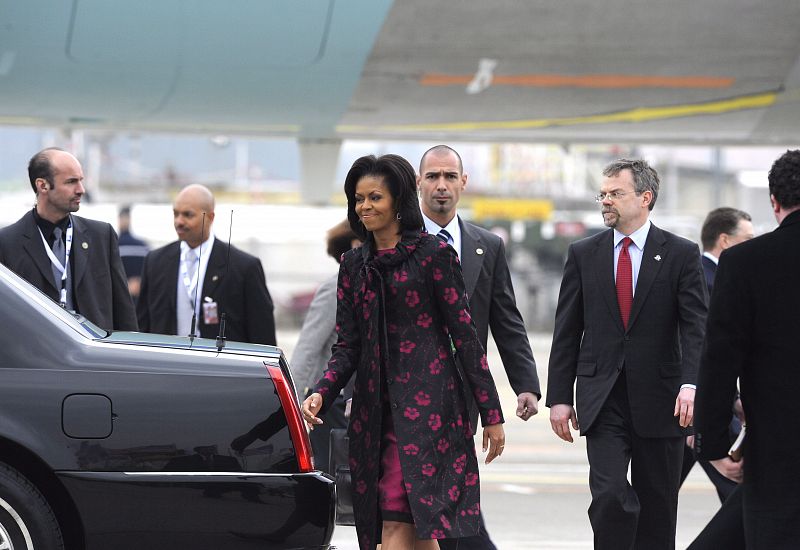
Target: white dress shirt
(453, 228)
(203, 252)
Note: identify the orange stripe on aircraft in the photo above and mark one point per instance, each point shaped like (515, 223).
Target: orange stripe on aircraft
(584, 81)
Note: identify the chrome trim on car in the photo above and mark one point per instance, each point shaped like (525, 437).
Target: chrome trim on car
(20, 524)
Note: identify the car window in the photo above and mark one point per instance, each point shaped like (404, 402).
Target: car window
(20, 298)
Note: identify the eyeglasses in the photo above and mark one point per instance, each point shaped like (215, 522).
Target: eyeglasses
(612, 196)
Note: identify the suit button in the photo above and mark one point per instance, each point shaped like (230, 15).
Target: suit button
(627, 338)
(390, 382)
(394, 405)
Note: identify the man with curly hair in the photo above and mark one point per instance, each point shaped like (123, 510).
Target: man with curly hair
(753, 326)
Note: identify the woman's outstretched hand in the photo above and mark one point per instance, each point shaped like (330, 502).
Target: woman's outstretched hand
(310, 408)
(494, 439)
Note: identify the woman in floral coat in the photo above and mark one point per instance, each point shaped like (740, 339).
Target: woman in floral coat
(402, 315)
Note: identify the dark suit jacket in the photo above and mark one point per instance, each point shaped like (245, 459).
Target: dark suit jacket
(659, 351)
(492, 303)
(239, 289)
(709, 270)
(100, 288)
(753, 328)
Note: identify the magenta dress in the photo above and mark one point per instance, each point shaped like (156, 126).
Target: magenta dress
(392, 496)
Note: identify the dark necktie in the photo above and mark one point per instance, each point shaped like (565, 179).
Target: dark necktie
(60, 252)
(625, 282)
(445, 236)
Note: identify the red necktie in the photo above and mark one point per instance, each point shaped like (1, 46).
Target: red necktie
(625, 282)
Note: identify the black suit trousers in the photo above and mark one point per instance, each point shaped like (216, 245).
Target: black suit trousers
(722, 484)
(725, 531)
(642, 514)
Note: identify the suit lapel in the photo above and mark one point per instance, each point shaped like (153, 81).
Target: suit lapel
(168, 277)
(471, 260)
(215, 270)
(81, 248)
(33, 245)
(653, 256)
(604, 261)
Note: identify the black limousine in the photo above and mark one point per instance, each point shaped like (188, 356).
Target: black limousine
(129, 440)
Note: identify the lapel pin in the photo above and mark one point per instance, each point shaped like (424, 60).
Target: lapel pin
(478, 251)
(658, 257)
(85, 245)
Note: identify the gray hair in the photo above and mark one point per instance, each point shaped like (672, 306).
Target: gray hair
(645, 178)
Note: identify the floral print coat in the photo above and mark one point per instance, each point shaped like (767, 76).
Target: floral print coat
(397, 316)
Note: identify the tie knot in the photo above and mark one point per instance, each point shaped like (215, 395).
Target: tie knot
(626, 242)
(444, 235)
(57, 232)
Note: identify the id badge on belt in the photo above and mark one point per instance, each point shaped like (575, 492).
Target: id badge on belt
(210, 315)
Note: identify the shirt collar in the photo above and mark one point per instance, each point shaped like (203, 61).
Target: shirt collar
(711, 257)
(203, 250)
(639, 237)
(47, 227)
(433, 228)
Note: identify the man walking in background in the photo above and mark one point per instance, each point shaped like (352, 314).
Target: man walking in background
(199, 278)
(629, 329)
(488, 283)
(132, 250)
(74, 260)
(723, 228)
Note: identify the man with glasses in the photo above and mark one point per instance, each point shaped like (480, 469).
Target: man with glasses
(629, 329)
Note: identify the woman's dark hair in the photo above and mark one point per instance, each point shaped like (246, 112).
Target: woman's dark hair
(400, 180)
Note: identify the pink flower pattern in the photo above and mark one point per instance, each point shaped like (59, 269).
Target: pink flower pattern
(407, 346)
(424, 308)
(411, 449)
(422, 399)
(412, 298)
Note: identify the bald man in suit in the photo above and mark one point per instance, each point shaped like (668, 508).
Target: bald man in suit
(38, 246)
(488, 283)
(200, 278)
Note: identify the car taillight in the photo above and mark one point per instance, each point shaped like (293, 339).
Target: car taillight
(297, 430)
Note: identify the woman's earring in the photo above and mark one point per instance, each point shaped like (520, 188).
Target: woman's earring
(399, 217)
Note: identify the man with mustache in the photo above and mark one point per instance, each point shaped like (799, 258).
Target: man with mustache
(74, 260)
(200, 277)
(629, 329)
